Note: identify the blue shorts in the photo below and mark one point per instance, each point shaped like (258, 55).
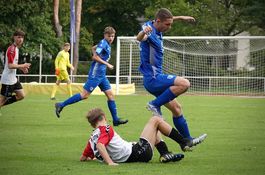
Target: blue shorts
(157, 85)
(102, 82)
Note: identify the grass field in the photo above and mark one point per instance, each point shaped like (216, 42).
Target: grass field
(33, 141)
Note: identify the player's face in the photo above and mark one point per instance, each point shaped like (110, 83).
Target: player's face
(164, 25)
(66, 48)
(18, 40)
(109, 37)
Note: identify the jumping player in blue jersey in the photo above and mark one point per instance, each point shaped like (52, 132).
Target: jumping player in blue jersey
(97, 77)
(164, 87)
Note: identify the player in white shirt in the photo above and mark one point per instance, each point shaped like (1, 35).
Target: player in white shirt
(9, 81)
(106, 145)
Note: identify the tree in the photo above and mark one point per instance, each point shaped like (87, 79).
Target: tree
(77, 33)
(215, 17)
(84, 47)
(57, 26)
(34, 17)
(123, 15)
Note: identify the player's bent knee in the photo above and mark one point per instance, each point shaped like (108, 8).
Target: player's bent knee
(21, 97)
(84, 95)
(111, 97)
(185, 83)
(155, 119)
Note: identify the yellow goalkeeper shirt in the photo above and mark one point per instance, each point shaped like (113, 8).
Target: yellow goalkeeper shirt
(62, 61)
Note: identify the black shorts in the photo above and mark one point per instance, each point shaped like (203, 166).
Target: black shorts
(7, 90)
(141, 152)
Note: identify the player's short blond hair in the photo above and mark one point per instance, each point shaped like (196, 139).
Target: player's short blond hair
(163, 14)
(66, 44)
(109, 30)
(95, 115)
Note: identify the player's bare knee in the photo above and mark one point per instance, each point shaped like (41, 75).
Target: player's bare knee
(185, 84)
(84, 95)
(20, 97)
(156, 120)
(110, 97)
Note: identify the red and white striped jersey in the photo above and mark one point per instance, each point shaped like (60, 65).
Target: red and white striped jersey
(118, 149)
(9, 75)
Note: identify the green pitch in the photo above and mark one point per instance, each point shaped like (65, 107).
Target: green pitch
(33, 141)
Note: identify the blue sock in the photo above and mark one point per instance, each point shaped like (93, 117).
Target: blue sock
(164, 98)
(182, 126)
(113, 110)
(75, 98)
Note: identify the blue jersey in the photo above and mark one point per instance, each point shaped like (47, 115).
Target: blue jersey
(151, 53)
(104, 51)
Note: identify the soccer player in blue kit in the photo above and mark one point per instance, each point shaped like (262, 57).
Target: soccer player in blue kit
(97, 77)
(163, 86)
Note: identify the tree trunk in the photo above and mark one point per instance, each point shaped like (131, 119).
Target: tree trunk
(56, 22)
(77, 35)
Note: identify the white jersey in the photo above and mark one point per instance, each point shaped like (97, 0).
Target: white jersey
(9, 75)
(118, 149)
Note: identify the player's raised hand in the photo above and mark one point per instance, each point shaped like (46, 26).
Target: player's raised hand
(189, 18)
(147, 29)
(184, 18)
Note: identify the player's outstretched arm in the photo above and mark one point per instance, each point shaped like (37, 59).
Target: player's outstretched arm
(103, 152)
(184, 18)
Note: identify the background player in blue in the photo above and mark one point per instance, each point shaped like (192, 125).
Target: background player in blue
(165, 87)
(97, 77)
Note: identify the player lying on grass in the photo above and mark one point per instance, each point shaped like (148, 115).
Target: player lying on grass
(106, 145)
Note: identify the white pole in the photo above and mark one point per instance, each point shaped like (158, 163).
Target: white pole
(72, 32)
(118, 66)
(130, 65)
(40, 65)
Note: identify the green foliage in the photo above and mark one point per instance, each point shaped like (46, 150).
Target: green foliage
(36, 19)
(120, 14)
(85, 44)
(215, 17)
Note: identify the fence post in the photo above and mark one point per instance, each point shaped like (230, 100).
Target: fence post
(130, 65)
(40, 65)
(118, 66)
